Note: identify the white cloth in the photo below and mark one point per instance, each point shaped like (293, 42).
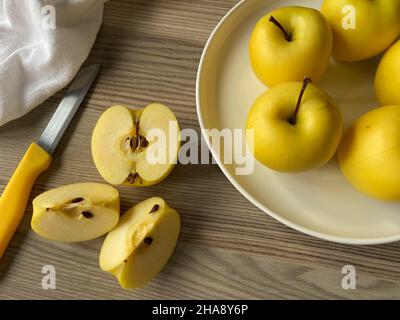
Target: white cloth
(37, 60)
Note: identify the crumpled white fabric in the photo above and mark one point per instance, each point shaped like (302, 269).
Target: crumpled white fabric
(36, 60)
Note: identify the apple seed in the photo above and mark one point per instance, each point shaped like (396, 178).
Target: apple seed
(87, 214)
(154, 209)
(132, 177)
(143, 142)
(77, 200)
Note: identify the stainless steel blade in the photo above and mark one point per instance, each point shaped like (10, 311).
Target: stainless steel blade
(80, 86)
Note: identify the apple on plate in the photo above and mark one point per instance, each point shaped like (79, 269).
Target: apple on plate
(362, 29)
(141, 244)
(369, 154)
(296, 127)
(387, 79)
(77, 212)
(122, 144)
(290, 43)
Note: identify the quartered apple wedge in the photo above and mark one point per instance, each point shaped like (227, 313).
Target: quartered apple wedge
(142, 243)
(123, 139)
(77, 212)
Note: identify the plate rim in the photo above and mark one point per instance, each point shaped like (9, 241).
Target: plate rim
(236, 184)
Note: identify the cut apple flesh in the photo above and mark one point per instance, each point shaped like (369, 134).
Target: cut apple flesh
(111, 144)
(77, 212)
(122, 139)
(142, 243)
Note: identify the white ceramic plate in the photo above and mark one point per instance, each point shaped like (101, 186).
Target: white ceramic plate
(321, 202)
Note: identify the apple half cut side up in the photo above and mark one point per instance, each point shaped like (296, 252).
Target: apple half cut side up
(124, 140)
(142, 243)
(77, 212)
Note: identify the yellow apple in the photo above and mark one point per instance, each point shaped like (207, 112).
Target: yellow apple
(387, 80)
(362, 29)
(77, 212)
(289, 44)
(369, 154)
(296, 127)
(141, 244)
(123, 138)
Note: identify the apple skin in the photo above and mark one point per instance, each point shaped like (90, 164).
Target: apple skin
(369, 154)
(309, 143)
(276, 60)
(377, 27)
(387, 80)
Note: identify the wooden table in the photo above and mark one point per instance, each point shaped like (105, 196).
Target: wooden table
(149, 50)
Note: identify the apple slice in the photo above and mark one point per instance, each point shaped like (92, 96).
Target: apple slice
(142, 243)
(123, 139)
(77, 212)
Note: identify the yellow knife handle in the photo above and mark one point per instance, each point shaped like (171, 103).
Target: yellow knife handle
(15, 197)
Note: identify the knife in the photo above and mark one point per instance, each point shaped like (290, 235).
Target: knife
(38, 157)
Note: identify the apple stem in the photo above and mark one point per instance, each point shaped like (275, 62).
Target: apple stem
(306, 81)
(277, 23)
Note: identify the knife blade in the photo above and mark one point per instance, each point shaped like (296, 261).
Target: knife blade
(38, 157)
(51, 136)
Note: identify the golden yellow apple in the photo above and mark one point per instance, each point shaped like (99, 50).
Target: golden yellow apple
(77, 212)
(123, 139)
(369, 154)
(296, 127)
(362, 29)
(387, 80)
(141, 244)
(289, 44)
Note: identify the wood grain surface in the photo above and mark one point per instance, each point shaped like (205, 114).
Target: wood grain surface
(149, 50)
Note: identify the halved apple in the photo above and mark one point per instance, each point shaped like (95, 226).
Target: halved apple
(142, 243)
(76, 212)
(123, 141)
